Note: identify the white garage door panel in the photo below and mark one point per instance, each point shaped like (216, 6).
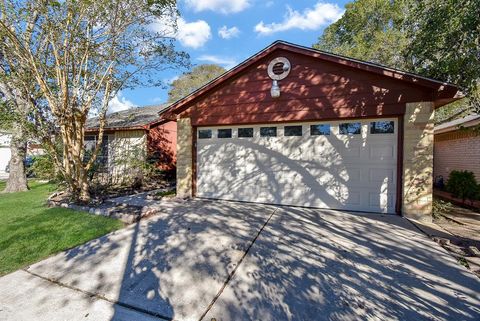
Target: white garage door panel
(4, 158)
(352, 172)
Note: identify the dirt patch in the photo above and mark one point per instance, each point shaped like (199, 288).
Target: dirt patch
(457, 229)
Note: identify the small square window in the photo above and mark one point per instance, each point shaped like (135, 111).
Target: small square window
(350, 128)
(317, 130)
(293, 131)
(224, 133)
(268, 131)
(245, 132)
(382, 127)
(204, 133)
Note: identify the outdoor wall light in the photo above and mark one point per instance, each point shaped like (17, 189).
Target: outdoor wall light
(278, 69)
(275, 91)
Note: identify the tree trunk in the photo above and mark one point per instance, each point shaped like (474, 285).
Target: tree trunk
(17, 179)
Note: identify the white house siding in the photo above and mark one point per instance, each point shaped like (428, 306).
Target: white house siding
(127, 150)
(4, 152)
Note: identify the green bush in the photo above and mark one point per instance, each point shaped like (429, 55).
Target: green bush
(462, 184)
(43, 168)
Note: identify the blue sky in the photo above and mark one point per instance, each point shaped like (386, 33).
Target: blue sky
(226, 32)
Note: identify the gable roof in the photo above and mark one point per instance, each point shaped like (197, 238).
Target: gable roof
(134, 118)
(467, 121)
(444, 92)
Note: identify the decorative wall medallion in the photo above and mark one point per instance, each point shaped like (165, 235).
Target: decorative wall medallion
(278, 69)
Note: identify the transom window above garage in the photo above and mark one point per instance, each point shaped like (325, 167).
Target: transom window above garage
(382, 127)
(268, 131)
(204, 133)
(245, 132)
(350, 128)
(320, 129)
(224, 133)
(293, 130)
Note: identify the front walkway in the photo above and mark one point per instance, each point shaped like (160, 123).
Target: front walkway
(235, 261)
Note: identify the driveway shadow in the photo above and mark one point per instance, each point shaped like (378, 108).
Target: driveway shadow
(325, 265)
(170, 266)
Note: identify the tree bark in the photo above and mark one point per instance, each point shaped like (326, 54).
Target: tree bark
(17, 179)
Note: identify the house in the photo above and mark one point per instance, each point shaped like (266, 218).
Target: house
(296, 126)
(131, 137)
(5, 154)
(457, 147)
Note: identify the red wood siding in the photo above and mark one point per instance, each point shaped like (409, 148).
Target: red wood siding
(162, 144)
(315, 89)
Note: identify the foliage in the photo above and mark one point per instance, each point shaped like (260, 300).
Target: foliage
(44, 168)
(440, 207)
(29, 231)
(462, 184)
(66, 60)
(446, 42)
(370, 30)
(192, 80)
(434, 38)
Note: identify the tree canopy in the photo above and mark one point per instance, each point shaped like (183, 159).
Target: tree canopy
(68, 59)
(192, 80)
(434, 38)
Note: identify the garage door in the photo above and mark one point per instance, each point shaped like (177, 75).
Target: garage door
(348, 165)
(4, 158)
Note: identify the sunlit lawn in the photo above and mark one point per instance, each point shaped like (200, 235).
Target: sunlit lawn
(29, 231)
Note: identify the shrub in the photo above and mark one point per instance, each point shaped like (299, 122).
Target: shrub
(462, 184)
(43, 168)
(440, 207)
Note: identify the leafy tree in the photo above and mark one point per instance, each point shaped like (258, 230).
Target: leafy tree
(445, 43)
(370, 30)
(192, 80)
(68, 59)
(435, 38)
(17, 178)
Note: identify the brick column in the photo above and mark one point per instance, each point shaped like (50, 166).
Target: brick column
(418, 161)
(184, 157)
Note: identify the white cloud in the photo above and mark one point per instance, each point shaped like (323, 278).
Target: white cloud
(269, 4)
(193, 34)
(227, 33)
(222, 6)
(310, 19)
(228, 63)
(119, 103)
(190, 34)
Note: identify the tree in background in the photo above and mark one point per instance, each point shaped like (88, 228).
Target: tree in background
(370, 30)
(192, 80)
(17, 178)
(68, 59)
(434, 38)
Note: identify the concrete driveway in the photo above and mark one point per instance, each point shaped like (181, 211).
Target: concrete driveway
(236, 261)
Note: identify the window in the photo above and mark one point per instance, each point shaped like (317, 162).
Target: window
(224, 133)
(316, 130)
(382, 127)
(91, 142)
(268, 131)
(204, 133)
(293, 131)
(245, 132)
(350, 128)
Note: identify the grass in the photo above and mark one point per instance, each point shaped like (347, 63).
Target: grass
(29, 231)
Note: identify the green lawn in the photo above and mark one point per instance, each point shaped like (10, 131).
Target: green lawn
(29, 231)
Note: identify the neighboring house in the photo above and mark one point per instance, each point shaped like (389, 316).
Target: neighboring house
(5, 154)
(457, 147)
(132, 137)
(343, 134)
